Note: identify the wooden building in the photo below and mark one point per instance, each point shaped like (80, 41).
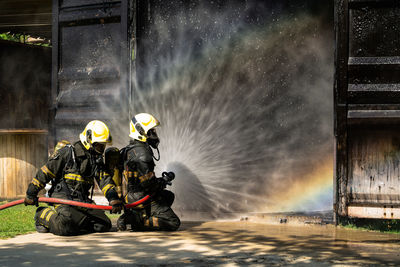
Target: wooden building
(367, 109)
(25, 73)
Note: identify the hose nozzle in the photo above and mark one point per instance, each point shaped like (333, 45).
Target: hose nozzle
(168, 177)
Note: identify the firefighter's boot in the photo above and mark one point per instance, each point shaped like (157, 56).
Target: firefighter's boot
(132, 217)
(136, 220)
(42, 219)
(121, 222)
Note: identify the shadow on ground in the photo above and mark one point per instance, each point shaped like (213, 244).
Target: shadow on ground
(207, 244)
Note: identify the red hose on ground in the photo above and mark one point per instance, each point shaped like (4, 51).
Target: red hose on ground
(73, 203)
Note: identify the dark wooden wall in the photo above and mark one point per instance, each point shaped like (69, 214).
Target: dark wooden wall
(91, 62)
(367, 108)
(25, 73)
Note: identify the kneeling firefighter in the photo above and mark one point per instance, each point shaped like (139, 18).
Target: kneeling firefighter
(138, 166)
(72, 171)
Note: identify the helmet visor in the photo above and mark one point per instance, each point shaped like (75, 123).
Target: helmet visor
(152, 138)
(99, 147)
(152, 133)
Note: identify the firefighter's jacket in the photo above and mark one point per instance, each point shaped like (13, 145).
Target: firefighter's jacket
(72, 171)
(139, 170)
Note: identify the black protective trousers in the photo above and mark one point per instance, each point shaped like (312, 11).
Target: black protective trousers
(67, 220)
(156, 215)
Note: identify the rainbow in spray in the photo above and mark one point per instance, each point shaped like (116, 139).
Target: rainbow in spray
(310, 193)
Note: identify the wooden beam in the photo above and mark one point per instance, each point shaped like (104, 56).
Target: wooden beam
(23, 131)
(385, 212)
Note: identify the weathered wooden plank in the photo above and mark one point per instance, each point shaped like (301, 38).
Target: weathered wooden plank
(373, 114)
(90, 16)
(78, 3)
(2, 165)
(7, 165)
(374, 199)
(30, 155)
(385, 212)
(19, 163)
(341, 51)
(373, 30)
(374, 165)
(23, 131)
(35, 156)
(14, 167)
(25, 165)
(374, 73)
(26, 162)
(10, 165)
(40, 152)
(341, 161)
(340, 105)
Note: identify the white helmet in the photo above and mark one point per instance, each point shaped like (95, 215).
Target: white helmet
(95, 132)
(140, 126)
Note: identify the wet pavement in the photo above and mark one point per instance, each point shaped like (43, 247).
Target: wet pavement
(208, 244)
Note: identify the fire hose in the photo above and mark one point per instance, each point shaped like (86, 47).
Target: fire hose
(74, 203)
(167, 177)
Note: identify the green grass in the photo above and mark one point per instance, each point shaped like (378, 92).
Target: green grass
(113, 216)
(386, 226)
(18, 220)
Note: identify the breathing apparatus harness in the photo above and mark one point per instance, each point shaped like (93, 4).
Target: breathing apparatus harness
(72, 163)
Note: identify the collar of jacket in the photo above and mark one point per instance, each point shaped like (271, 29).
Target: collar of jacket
(80, 150)
(137, 143)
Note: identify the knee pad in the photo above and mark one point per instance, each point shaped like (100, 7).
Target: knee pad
(171, 224)
(43, 216)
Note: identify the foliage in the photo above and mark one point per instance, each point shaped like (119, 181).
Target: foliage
(9, 37)
(20, 38)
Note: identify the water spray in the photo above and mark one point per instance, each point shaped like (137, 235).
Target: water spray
(245, 109)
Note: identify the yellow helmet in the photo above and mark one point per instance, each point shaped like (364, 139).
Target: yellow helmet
(140, 126)
(95, 132)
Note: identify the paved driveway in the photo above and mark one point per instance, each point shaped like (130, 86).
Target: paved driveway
(207, 244)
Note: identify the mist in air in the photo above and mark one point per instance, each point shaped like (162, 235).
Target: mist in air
(244, 97)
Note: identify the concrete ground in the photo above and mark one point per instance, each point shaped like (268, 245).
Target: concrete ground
(230, 243)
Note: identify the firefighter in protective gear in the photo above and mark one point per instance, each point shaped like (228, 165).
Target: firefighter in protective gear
(114, 165)
(139, 171)
(72, 171)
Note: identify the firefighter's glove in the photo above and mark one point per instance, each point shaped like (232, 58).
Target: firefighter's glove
(117, 206)
(168, 177)
(158, 185)
(30, 200)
